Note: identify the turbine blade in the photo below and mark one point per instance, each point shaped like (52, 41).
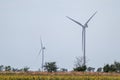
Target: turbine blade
(41, 43)
(90, 18)
(40, 51)
(75, 21)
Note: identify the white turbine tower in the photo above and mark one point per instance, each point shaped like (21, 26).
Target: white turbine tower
(42, 52)
(83, 36)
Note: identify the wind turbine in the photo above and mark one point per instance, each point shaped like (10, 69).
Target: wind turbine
(42, 52)
(83, 35)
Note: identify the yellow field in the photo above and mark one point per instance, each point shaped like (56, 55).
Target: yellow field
(59, 76)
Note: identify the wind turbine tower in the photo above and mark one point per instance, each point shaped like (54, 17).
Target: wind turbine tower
(83, 36)
(42, 52)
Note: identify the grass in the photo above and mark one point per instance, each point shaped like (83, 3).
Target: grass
(58, 76)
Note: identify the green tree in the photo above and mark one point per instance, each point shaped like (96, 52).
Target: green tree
(81, 68)
(112, 68)
(15, 69)
(7, 68)
(79, 64)
(99, 69)
(50, 66)
(90, 69)
(106, 68)
(25, 69)
(117, 65)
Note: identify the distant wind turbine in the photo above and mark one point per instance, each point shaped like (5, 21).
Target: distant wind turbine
(83, 36)
(42, 52)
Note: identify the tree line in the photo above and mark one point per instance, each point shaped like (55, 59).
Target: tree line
(114, 67)
(9, 68)
(52, 67)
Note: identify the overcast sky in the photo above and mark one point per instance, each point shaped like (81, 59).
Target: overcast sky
(22, 22)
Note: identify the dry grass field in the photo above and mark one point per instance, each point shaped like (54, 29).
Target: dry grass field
(58, 76)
